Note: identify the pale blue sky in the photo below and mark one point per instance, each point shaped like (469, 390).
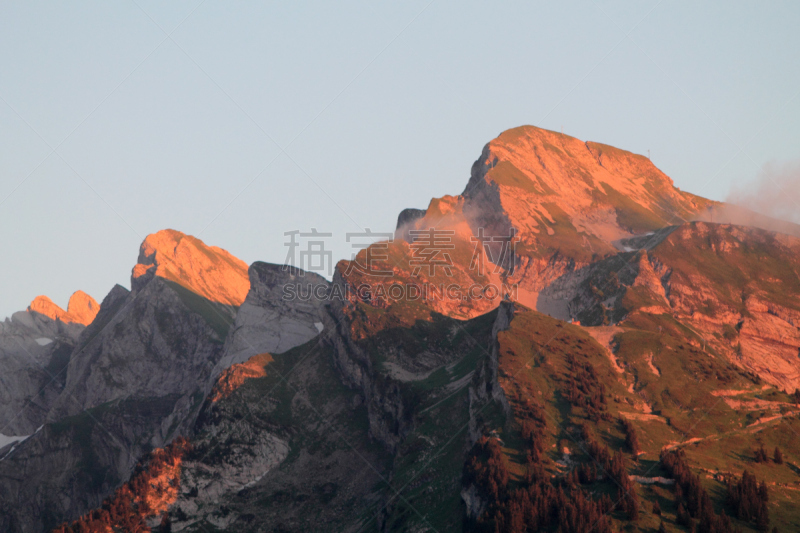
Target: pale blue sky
(378, 108)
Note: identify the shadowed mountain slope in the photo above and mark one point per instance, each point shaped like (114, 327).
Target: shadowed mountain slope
(631, 370)
(136, 378)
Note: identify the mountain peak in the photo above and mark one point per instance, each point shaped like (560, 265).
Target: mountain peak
(566, 203)
(45, 306)
(208, 271)
(81, 308)
(556, 189)
(543, 166)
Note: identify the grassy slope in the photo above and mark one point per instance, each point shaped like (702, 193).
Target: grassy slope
(533, 354)
(668, 206)
(733, 264)
(735, 261)
(426, 471)
(302, 400)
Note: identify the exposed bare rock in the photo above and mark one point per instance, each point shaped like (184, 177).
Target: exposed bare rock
(207, 271)
(150, 344)
(134, 380)
(68, 467)
(131, 384)
(283, 309)
(770, 343)
(45, 306)
(269, 448)
(237, 374)
(356, 404)
(556, 202)
(137, 376)
(34, 351)
(735, 288)
(82, 307)
(252, 455)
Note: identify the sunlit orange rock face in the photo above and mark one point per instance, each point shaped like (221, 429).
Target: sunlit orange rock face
(735, 287)
(45, 306)
(565, 201)
(236, 375)
(561, 193)
(147, 495)
(208, 271)
(81, 309)
(739, 287)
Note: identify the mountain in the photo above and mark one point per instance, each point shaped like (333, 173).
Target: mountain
(81, 308)
(568, 345)
(34, 347)
(737, 288)
(136, 377)
(550, 186)
(564, 203)
(206, 271)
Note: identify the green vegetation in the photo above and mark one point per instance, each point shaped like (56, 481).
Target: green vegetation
(504, 173)
(218, 316)
(735, 265)
(631, 215)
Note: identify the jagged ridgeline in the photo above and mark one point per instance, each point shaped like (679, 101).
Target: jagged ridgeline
(634, 368)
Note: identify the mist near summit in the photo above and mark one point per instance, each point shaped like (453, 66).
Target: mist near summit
(771, 201)
(775, 192)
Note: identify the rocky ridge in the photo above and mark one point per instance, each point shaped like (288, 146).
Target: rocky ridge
(452, 414)
(34, 349)
(81, 308)
(206, 271)
(136, 378)
(539, 206)
(734, 287)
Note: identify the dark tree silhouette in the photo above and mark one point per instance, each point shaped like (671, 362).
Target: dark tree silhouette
(693, 500)
(777, 456)
(631, 437)
(760, 455)
(748, 500)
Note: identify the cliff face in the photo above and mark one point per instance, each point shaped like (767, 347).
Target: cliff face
(34, 349)
(577, 211)
(165, 336)
(283, 309)
(351, 406)
(132, 384)
(206, 271)
(137, 376)
(316, 434)
(45, 307)
(737, 288)
(81, 308)
(554, 189)
(539, 206)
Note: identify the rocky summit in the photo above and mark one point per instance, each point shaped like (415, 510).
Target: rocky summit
(570, 344)
(207, 271)
(81, 309)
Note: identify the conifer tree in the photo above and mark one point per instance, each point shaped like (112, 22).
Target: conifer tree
(777, 456)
